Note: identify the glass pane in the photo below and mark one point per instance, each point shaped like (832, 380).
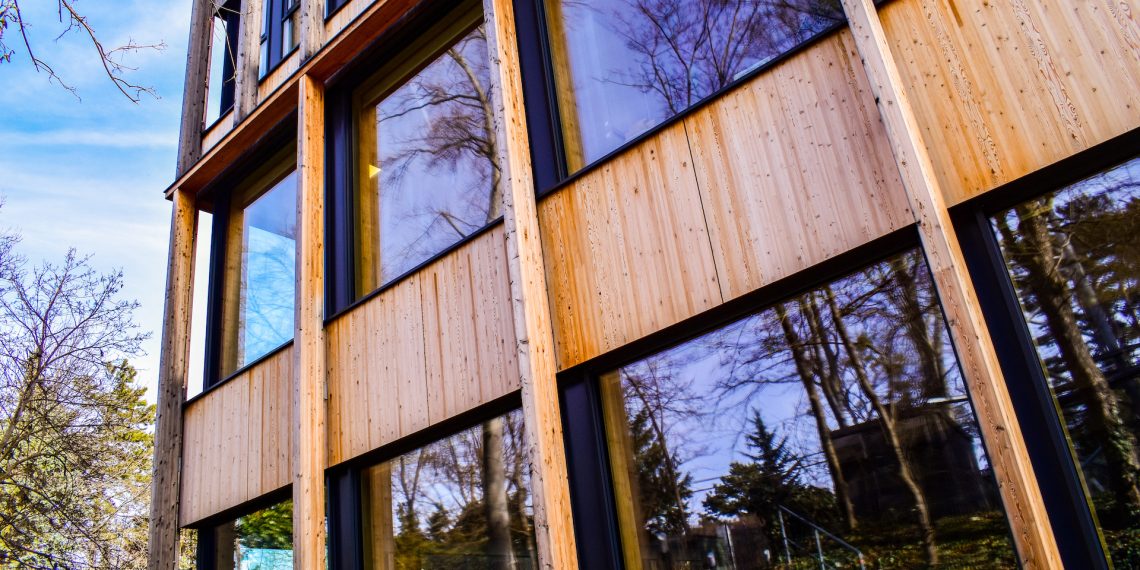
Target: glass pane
(261, 260)
(258, 541)
(835, 425)
(196, 375)
(622, 67)
(427, 175)
(1074, 259)
(461, 502)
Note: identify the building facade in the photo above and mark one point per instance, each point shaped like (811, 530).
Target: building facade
(654, 284)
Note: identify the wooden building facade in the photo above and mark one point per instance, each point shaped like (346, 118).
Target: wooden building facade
(654, 284)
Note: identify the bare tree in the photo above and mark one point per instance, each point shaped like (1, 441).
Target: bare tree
(73, 21)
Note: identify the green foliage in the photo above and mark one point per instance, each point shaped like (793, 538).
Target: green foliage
(268, 528)
(663, 489)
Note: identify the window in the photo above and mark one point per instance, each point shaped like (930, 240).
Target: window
(622, 67)
(254, 265)
(260, 540)
(223, 60)
(461, 502)
(1073, 259)
(280, 33)
(833, 429)
(331, 6)
(426, 175)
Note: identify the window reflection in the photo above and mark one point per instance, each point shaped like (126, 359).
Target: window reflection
(839, 416)
(1074, 260)
(260, 272)
(461, 502)
(624, 66)
(427, 175)
(259, 541)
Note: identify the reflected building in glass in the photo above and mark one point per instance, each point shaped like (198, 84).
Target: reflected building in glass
(653, 285)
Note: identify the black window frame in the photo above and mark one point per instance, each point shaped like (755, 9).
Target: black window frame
(1070, 514)
(230, 13)
(276, 13)
(340, 152)
(217, 198)
(334, 6)
(206, 552)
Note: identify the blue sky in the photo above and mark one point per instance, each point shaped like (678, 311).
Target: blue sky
(89, 173)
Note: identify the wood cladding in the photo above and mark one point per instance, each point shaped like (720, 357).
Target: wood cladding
(795, 168)
(432, 346)
(1001, 89)
(237, 439)
(778, 175)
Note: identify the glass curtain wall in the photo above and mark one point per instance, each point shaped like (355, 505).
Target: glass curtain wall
(833, 429)
(1073, 257)
(461, 502)
(622, 67)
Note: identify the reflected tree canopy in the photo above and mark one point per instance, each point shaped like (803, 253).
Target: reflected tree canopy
(839, 415)
(461, 502)
(262, 540)
(427, 169)
(1074, 260)
(622, 67)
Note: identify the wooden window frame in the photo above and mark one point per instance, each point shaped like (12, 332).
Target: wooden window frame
(1070, 514)
(340, 149)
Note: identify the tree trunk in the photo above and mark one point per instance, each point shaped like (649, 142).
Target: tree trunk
(890, 433)
(914, 322)
(829, 379)
(499, 551)
(1103, 418)
(803, 368)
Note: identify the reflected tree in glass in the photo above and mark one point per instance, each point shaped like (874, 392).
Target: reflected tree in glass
(1074, 260)
(625, 66)
(258, 541)
(427, 169)
(839, 415)
(461, 502)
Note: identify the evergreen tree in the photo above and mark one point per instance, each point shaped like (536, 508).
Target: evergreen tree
(663, 489)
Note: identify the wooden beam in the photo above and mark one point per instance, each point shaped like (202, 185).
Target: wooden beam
(197, 82)
(312, 27)
(173, 368)
(247, 64)
(1022, 497)
(310, 446)
(553, 522)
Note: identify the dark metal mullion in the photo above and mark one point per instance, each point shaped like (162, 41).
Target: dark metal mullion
(540, 95)
(212, 361)
(340, 246)
(1070, 513)
(274, 30)
(345, 519)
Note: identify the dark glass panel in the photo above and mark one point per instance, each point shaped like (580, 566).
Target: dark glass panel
(427, 175)
(1074, 259)
(622, 67)
(461, 502)
(831, 430)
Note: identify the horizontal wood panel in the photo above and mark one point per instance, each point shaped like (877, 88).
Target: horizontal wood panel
(346, 15)
(237, 440)
(795, 167)
(436, 344)
(1004, 88)
(278, 76)
(217, 131)
(626, 248)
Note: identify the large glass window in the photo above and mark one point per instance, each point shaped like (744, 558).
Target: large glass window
(833, 430)
(262, 540)
(1074, 260)
(280, 33)
(426, 170)
(622, 67)
(223, 60)
(260, 267)
(461, 502)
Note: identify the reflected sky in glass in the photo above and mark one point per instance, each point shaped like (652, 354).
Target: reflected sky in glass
(269, 270)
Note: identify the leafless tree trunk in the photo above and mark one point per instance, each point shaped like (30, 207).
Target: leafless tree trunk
(803, 368)
(914, 322)
(829, 379)
(499, 549)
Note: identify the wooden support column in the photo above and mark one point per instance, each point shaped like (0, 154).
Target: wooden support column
(312, 27)
(197, 83)
(1022, 497)
(554, 526)
(174, 362)
(246, 66)
(310, 445)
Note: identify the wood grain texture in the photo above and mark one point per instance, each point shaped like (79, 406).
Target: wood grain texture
(238, 439)
(217, 131)
(312, 27)
(1024, 506)
(167, 476)
(794, 168)
(309, 407)
(434, 345)
(280, 75)
(197, 84)
(1001, 89)
(247, 73)
(537, 362)
(627, 249)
